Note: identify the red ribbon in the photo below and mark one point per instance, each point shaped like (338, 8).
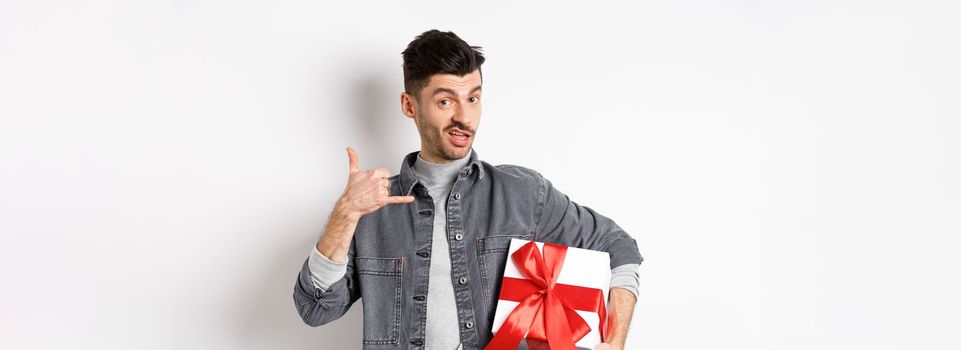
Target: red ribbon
(547, 309)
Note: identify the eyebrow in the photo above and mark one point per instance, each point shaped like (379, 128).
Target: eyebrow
(452, 92)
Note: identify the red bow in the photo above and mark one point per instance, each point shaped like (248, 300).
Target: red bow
(546, 310)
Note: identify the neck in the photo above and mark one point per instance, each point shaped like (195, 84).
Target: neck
(436, 158)
(439, 173)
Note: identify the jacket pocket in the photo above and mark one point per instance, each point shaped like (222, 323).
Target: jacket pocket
(380, 285)
(491, 257)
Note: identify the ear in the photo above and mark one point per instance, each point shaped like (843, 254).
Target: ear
(408, 104)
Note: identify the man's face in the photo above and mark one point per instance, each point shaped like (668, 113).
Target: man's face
(449, 105)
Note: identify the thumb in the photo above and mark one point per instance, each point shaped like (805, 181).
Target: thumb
(352, 159)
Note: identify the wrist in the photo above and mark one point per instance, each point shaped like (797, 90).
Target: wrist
(333, 248)
(342, 211)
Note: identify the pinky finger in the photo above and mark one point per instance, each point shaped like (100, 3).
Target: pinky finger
(399, 199)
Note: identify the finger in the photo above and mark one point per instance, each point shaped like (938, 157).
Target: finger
(398, 199)
(352, 157)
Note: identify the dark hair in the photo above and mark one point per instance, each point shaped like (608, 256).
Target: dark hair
(437, 52)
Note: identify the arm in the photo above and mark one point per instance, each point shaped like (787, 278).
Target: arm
(335, 242)
(366, 191)
(620, 310)
(625, 282)
(324, 271)
(318, 304)
(562, 221)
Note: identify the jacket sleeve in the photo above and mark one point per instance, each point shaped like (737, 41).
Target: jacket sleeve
(560, 220)
(323, 271)
(317, 306)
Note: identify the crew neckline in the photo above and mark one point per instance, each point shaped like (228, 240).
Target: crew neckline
(439, 174)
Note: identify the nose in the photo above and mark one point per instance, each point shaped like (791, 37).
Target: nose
(460, 116)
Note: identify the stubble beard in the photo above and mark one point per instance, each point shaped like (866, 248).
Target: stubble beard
(435, 142)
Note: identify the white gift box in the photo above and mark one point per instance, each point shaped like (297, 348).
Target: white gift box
(582, 267)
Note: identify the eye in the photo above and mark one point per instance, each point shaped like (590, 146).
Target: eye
(474, 99)
(445, 102)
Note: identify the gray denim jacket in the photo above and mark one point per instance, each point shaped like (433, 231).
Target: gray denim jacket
(389, 257)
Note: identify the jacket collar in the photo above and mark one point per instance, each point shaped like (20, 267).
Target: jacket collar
(408, 179)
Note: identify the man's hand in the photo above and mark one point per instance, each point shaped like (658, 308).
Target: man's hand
(542, 345)
(366, 192)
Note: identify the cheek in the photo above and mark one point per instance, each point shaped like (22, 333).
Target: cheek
(475, 112)
(436, 117)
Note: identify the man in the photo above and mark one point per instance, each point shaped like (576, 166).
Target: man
(424, 249)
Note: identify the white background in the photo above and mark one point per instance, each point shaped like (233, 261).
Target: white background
(789, 169)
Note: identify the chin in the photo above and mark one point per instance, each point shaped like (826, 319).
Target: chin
(457, 152)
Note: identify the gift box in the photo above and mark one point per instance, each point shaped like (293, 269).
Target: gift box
(552, 294)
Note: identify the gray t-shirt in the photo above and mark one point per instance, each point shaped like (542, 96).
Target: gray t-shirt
(442, 331)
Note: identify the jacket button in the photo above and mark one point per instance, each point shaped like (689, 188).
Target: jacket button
(423, 254)
(458, 236)
(425, 212)
(469, 324)
(417, 342)
(457, 195)
(463, 280)
(419, 297)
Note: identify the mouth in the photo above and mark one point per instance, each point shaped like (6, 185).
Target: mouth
(459, 137)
